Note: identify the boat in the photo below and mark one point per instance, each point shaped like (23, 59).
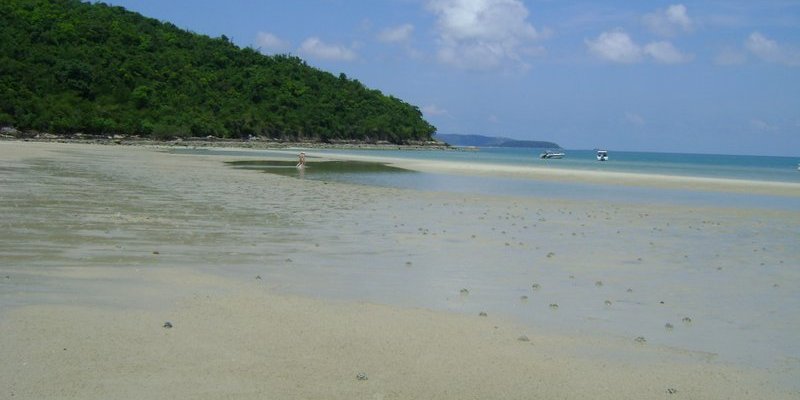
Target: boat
(549, 154)
(602, 155)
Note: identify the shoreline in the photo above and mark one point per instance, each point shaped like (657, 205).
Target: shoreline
(289, 288)
(594, 177)
(214, 142)
(692, 183)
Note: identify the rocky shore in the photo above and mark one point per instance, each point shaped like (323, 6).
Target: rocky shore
(252, 142)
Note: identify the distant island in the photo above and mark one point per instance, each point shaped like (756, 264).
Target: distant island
(490, 141)
(72, 67)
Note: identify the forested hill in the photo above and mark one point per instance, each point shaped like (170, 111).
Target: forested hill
(68, 66)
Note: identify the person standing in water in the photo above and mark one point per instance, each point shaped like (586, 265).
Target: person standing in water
(301, 163)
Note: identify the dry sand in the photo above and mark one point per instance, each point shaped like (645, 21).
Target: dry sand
(102, 245)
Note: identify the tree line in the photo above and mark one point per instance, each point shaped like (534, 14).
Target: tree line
(67, 66)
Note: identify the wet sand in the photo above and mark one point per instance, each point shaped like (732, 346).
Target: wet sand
(586, 176)
(289, 288)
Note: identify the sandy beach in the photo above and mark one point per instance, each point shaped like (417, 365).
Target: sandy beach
(278, 287)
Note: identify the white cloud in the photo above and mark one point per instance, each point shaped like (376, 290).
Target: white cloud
(434, 110)
(759, 125)
(316, 48)
(669, 22)
(396, 34)
(269, 43)
(770, 51)
(664, 52)
(616, 46)
(676, 14)
(482, 34)
(762, 47)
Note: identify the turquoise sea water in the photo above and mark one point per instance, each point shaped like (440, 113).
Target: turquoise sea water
(763, 168)
(754, 168)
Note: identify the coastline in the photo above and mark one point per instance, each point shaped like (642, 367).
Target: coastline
(290, 288)
(662, 181)
(214, 142)
(596, 177)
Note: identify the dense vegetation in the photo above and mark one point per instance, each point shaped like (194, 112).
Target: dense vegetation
(68, 66)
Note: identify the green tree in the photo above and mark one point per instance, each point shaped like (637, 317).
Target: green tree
(67, 66)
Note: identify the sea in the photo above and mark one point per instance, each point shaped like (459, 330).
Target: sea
(760, 168)
(736, 167)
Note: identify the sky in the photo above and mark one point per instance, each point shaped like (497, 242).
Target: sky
(713, 76)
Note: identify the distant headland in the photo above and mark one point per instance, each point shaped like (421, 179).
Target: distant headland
(490, 141)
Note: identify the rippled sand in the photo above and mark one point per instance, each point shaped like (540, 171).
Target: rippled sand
(290, 288)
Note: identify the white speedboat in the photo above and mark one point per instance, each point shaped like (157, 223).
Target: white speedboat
(602, 155)
(549, 154)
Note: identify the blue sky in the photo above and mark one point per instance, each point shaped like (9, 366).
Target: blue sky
(693, 76)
